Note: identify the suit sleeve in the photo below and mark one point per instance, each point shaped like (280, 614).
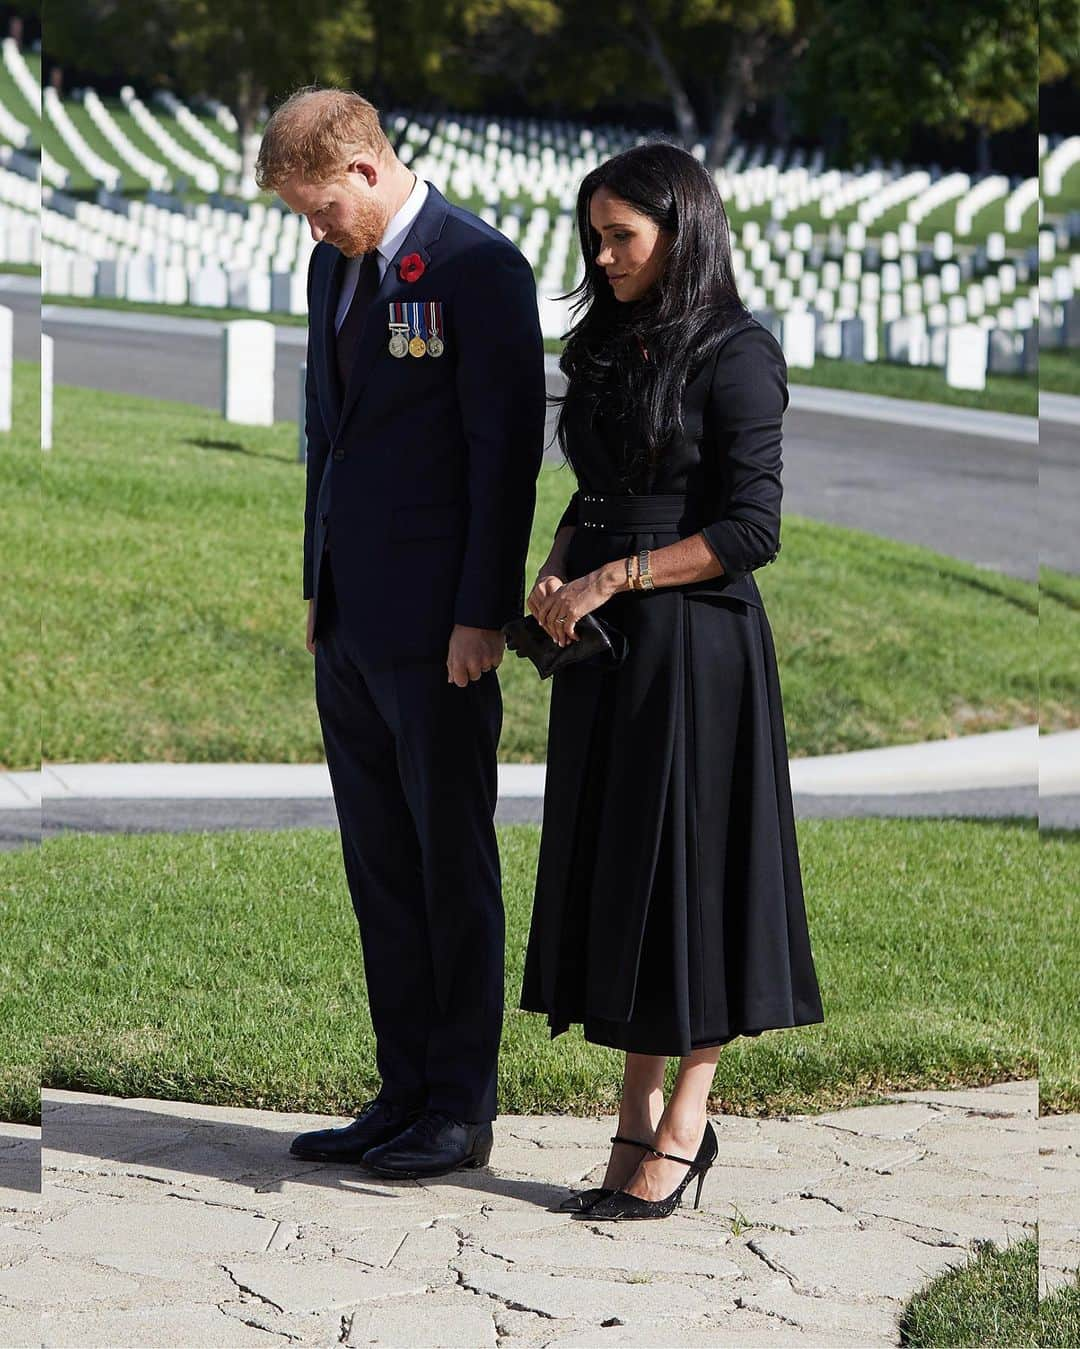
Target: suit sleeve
(747, 399)
(318, 444)
(502, 399)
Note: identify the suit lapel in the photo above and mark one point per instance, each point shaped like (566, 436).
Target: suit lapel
(335, 274)
(422, 235)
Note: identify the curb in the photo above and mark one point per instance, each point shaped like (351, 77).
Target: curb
(997, 759)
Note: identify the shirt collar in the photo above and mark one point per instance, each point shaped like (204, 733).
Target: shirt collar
(401, 223)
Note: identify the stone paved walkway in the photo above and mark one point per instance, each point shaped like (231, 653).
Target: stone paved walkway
(161, 1223)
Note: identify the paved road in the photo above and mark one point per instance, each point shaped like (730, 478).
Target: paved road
(19, 294)
(1059, 493)
(970, 495)
(119, 816)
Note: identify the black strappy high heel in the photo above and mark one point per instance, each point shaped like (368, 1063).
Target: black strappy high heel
(621, 1205)
(584, 1199)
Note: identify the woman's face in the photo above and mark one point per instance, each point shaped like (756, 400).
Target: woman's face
(633, 247)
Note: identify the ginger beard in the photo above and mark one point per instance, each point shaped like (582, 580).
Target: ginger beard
(359, 228)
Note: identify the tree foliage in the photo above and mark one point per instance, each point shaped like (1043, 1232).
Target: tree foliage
(865, 77)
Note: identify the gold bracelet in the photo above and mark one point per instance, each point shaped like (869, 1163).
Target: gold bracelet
(629, 573)
(644, 574)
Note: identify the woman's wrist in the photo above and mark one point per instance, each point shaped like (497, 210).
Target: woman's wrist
(611, 577)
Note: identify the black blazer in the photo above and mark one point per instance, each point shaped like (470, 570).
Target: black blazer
(421, 474)
(728, 459)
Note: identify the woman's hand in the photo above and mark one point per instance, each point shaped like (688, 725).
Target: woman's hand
(558, 605)
(547, 582)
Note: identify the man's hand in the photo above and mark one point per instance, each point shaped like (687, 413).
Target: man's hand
(311, 626)
(473, 651)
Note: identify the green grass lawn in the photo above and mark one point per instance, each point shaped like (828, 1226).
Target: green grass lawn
(20, 596)
(992, 1300)
(1059, 645)
(226, 968)
(1003, 393)
(1059, 371)
(172, 621)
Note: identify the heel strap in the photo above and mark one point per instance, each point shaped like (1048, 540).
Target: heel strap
(686, 1161)
(634, 1142)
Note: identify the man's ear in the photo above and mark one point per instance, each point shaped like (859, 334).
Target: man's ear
(362, 164)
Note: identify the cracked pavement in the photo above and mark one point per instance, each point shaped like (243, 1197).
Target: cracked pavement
(163, 1223)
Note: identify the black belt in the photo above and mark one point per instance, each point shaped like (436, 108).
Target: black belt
(662, 513)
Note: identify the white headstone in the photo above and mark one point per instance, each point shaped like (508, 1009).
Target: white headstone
(142, 280)
(943, 245)
(46, 391)
(906, 341)
(7, 352)
(797, 340)
(965, 362)
(247, 376)
(210, 286)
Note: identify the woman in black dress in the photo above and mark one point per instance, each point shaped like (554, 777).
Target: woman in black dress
(669, 913)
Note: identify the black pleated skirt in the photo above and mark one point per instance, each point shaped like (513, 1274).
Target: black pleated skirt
(668, 912)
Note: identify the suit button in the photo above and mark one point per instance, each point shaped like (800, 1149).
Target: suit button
(325, 517)
(339, 454)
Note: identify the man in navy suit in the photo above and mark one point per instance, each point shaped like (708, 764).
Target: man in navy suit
(425, 423)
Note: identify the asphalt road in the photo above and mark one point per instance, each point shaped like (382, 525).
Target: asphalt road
(1059, 495)
(115, 816)
(968, 495)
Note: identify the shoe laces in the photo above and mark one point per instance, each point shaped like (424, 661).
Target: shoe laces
(432, 1122)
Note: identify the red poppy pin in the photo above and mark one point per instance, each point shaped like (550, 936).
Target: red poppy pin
(411, 267)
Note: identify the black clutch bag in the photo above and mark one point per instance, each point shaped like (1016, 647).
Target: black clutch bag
(598, 643)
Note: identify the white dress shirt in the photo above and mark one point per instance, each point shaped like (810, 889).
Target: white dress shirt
(391, 241)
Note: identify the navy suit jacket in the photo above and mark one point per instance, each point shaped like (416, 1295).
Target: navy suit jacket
(421, 474)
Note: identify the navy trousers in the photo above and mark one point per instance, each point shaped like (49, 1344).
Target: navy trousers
(412, 762)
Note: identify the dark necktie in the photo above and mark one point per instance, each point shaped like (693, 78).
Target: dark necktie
(348, 336)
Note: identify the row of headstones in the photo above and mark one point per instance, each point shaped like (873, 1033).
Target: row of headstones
(20, 72)
(101, 170)
(93, 164)
(145, 280)
(260, 224)
(528, 169)
(287, 252)
(967, 352)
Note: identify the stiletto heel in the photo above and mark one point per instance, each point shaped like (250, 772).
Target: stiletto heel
(583, 1201)
(621, 1205)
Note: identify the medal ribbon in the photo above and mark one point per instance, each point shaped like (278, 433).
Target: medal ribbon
(416, 319)
(434, 317)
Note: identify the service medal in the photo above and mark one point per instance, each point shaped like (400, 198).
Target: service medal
(435, 344)
(418, 341)
(399, 331)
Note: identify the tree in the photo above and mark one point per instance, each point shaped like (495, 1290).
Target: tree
(226, 49)
(944, 65)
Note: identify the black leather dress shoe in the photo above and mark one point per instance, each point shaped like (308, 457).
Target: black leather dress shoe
(433, 1145)
(377, 1122)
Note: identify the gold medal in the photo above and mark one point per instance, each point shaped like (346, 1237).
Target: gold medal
(418, 347)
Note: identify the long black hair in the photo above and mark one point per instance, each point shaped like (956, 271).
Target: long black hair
(679, 322)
